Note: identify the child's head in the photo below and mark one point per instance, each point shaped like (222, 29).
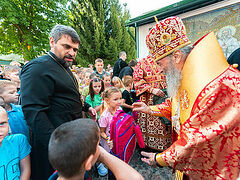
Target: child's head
(132, 63)
(99, 65)
(15, 63)
(73, 147)
(12, 73)
(113, 97)
(4, 126)
(95, 87)
(128, 81)
(107, 80)
(87, 77)
(116, 82)
(8, 90)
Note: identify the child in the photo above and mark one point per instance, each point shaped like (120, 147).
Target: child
(99, 68)
(113, 98)
(73, 149)
(116, 82)
(8, 91)
(107, 80)
(87, 79)
(12, 73)
(126, 94)
(94, 99)
(14, 152)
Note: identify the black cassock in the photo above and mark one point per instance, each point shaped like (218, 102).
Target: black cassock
(49, 98)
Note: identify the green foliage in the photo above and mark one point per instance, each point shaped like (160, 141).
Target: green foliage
(101, 27)
(25, 25)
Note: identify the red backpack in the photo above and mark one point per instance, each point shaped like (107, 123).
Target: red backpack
(123, 132)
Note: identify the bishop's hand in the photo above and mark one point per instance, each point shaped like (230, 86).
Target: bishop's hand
(148, 158)
(141, 107)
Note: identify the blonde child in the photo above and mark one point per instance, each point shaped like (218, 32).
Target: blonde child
(12, 73)
(116, 82)
(17, 123)
(113, 98)
(94, 98)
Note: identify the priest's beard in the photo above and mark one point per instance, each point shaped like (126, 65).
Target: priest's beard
(69, 63)
(173, 79)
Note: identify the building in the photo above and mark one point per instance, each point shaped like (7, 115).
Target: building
(200, 17)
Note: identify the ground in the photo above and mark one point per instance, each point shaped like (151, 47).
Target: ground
(148, 172)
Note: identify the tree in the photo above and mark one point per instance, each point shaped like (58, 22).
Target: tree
(101, 27)
(25, 25)
(88, 20)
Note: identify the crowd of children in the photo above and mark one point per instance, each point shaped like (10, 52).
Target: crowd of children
(106, 94)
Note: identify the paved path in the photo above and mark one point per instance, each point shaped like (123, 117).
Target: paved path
(148, 172)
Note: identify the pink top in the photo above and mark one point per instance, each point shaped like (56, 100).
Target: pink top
(105, 122)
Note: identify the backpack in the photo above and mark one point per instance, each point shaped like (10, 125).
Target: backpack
(123, 133)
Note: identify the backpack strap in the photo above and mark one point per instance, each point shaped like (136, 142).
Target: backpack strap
(139, 136)
(113, 123)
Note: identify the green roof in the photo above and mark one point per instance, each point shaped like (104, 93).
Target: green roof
(171, 10)
(5, 62)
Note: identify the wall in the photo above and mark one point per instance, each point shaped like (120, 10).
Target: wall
(223, 18)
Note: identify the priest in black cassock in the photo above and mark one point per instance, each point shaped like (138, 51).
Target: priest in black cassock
(50, 95)
(234, 58)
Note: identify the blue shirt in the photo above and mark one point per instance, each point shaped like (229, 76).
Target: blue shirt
(13, 149)
(17, 123)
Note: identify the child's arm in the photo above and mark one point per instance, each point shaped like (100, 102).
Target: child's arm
(120, 169)
(126, 105)
(102, 133)
(98, 108)
(25, 168)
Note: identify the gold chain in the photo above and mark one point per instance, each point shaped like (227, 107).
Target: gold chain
(74, 80)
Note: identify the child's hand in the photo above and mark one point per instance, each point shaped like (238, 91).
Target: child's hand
(110, 143)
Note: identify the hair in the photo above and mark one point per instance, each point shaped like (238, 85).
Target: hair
(127, 80)
(185, 50)
(132, 63)
(71, 144)
(94, 75)
(9, 69)
(59, 30)
(98, 60)
(91, 91)
(6, 83)
(106, 75)
(109, 91)
(15, 63)
(115, 78)
(88, 70)
(122, 53)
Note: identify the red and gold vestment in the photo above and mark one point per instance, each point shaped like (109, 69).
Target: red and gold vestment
(205, 116)
(146, 77)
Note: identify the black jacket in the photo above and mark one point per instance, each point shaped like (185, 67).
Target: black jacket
(126, 71)
(49, 98)
(234, 58)
(118, 66)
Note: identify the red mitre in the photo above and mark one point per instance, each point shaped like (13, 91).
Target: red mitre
(168, 35)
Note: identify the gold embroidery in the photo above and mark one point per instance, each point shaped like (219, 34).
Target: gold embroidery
(184, 100)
